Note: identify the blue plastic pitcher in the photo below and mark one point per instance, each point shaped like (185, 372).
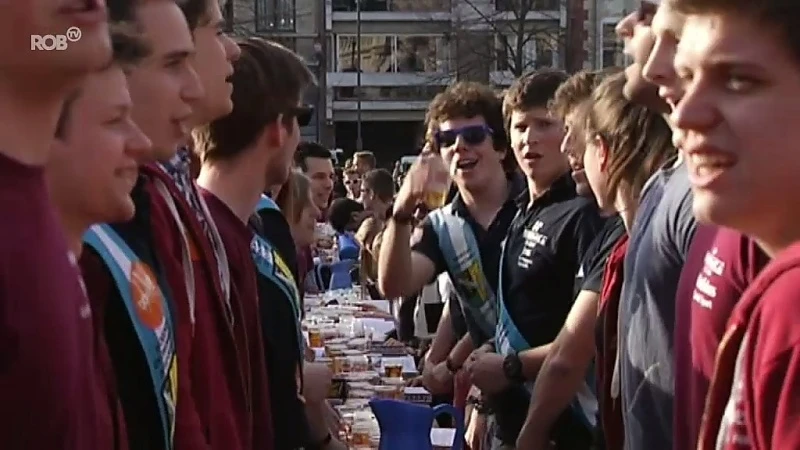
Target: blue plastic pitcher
(340, 275)
(407, 426)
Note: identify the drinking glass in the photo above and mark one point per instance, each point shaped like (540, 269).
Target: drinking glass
(438, 181)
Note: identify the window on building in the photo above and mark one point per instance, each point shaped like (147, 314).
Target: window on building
(366, 5)
(388, 93)
(520, 6)
(510, 58)
(390, 53)
(376, 54)
(547, 50)
(275, 15)
(611, 47)
(392, 5)
(538, 50)
(421, 54)
(421, 5)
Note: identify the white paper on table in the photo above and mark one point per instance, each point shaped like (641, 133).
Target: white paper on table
(416, 390)
(313, 300)
(381, 326)
(406, 361)
(443, 437)
(382, 305)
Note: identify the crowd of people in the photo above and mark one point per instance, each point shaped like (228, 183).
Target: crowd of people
(616, 262)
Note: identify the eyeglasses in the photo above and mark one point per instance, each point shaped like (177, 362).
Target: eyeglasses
(303, 114)
(472, 135)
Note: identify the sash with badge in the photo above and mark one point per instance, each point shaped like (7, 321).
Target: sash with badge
(150, 314)
(271, 265)
(509, 340)
(463, 258)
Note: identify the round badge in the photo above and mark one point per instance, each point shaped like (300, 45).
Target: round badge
(147, 295)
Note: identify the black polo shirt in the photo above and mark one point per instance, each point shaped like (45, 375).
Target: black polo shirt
(489, 244)
(545, 245)
(590, 272)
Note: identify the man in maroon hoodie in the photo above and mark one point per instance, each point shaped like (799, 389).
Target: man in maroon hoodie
(230, 322)
(232, 319)
(97, 136)
(47, 377)
(242, 154)
(213, 408)
(139, 324)
(739, 64)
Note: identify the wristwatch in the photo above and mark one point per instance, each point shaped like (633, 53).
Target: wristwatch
(512, 368)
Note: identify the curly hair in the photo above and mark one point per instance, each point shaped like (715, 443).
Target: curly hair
(466, 100)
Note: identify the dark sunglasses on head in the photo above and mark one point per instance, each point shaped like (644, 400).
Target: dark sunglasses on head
(472, 135)
(303, 115)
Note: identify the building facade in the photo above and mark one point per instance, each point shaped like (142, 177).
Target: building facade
(380, 62)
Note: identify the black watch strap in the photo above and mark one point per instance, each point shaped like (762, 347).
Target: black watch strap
(512, 368)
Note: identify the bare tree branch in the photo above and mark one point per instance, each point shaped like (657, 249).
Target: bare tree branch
(512, 27)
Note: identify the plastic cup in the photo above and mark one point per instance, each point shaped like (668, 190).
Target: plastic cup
(438, 182)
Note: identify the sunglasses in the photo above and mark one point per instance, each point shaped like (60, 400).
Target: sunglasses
(303, 114)
(472, 135)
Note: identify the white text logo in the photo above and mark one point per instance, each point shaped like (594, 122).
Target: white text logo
(49, 42)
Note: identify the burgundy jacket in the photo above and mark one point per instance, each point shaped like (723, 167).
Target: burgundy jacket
(212, 351)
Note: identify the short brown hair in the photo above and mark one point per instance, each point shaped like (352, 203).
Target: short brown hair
(778, 16)
(268, 81)
(466, 99)
(639, 140)
(576, 90)
(532, 90)
(368, 157)
(128, 49)
(307, 150)
(380, 182)
(127, 44)
(195, 11)
(350, 170)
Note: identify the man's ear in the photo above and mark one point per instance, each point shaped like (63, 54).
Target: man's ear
(275, 133)
(601, 147)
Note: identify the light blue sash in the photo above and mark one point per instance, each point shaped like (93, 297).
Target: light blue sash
(507, 337)
(508, 340)
(271, 265)
(150, 314)
(267, 203)
(462, 255)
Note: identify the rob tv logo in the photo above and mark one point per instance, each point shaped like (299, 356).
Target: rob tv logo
(49, 42)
